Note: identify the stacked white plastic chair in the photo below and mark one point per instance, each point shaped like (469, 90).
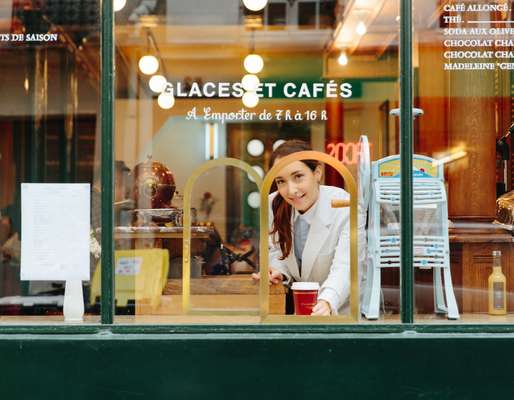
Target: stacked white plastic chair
(364, 182)
(431, 245)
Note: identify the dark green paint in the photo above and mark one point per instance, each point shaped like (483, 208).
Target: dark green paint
(200, 330)
(107, 118)
(255, 361)
(406, 150)
(248, 366)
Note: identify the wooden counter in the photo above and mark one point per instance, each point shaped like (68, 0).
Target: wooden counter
(471, 263)
(218, 292)
(471, 247)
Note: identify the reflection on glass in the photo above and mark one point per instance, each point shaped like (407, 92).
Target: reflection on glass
(307, 14)
(462, 61)
(50, 82)
(217, 106)
(277, 15)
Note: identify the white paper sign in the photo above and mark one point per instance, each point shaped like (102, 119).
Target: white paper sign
(130, 266)
(55, 226)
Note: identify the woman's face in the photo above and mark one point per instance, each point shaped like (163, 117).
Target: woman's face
(299, 185)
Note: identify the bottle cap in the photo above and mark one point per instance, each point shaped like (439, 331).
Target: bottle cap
(497, 253)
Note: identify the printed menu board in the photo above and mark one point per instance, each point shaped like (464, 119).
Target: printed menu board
(55, 232)
(478, 36)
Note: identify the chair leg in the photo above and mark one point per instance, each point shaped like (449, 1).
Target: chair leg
(366, 295)
(439, 303)
(373, 305)
(453, 311)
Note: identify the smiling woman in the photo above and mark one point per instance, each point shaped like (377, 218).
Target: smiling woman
(305, 232)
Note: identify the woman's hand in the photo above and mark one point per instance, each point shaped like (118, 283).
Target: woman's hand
(274, 276)
(321, 308)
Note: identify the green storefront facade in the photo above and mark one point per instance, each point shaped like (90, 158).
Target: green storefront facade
(408, 359)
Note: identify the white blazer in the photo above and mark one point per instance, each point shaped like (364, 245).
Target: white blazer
(326, 255)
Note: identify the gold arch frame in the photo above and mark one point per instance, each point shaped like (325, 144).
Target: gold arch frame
(186, 243)
(351, 187)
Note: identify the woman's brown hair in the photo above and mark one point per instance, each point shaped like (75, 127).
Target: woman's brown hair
(281, 210)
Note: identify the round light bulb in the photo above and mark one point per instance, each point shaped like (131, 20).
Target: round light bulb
(253, 63)
(361, 28)
(343, 59)
(277, 143)
(250, 99)
(148, 65)
(166, 101)
(255, 5)
(255, 147)
(250, 82)
(157, 83)
(254, 200)
(259, 171)
(119, 4)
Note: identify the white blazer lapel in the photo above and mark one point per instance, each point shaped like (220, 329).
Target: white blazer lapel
(318, 233)
(293, 265)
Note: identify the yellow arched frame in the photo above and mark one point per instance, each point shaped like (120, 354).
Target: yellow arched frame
(351, 188)
(186, 244)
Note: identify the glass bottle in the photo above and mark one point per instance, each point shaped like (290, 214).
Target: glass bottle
(497, 287)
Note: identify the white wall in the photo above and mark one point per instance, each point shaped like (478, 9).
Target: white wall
(218, 12)
(180, 145)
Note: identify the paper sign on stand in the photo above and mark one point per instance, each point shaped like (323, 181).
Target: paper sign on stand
(55, 222)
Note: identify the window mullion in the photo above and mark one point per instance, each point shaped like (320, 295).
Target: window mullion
(107, 118)
(406, 150)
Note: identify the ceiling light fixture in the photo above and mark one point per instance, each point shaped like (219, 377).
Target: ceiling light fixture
(361, 29)
(343, 58)
(255, 5)
(119, 4)
(253, 63)
(255, 147)
(250, 99)
(250, 82)
(166, 100)
(148, 64)
(157, 83)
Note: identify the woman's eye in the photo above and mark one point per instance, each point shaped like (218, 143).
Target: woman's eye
(279, 182)
(298, 177)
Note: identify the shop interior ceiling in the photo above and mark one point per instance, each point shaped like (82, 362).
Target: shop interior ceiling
(215, 51)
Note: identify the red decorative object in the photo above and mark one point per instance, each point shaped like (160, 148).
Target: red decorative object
(154, 185)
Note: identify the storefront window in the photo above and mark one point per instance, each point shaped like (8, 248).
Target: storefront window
(197, 87)
(463, 229)
(50, 134)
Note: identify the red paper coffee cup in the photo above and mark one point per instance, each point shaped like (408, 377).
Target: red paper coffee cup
(305, 296)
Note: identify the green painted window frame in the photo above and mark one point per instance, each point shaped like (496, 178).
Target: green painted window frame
(406, 152)
(107, 325)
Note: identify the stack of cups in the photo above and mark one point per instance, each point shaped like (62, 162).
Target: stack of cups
(305, 296)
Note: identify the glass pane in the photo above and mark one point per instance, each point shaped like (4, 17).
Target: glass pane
(463, 63)
(307, 14)
(277, 14)
(326, 14)
(50, 134)
(201, 86)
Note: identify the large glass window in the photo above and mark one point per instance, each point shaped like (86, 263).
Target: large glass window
(463, 229)
(50, 131)
(199, 86)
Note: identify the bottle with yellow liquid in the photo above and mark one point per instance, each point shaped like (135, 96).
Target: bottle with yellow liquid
(497, 287)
